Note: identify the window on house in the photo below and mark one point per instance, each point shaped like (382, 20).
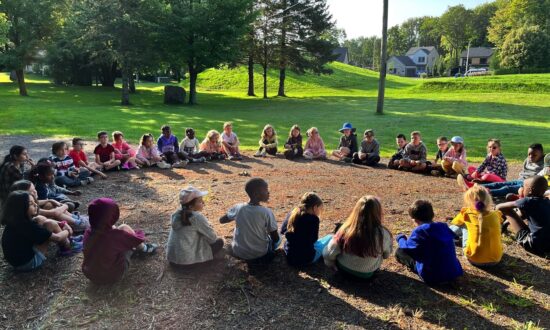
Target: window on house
(421, 59)
(482, 61)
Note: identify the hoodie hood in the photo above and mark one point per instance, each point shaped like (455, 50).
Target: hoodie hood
(103, 213)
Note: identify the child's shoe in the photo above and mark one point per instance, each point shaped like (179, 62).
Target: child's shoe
(238, 157)
(125, 166)
(258, 154)
(163, 165)
(81, 223)
(87, 181)
(231, 157)
(263, 153)
(76, 247)
(148, 249)
(347, 159)
(78, 238)
(435, 173)
(180, 164)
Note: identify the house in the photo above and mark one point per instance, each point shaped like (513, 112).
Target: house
(402, 66)
(479, 57)
(37, 64)
(342, 53)
(417, 60)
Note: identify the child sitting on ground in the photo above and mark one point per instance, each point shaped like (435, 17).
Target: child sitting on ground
(535, 235)
(370, 150)
(401, 141)
(105, 153)
(315, 147)
(436, 168)
(81, 160)
(293, 146)
(532, 165)
(430, 251)
(268, 142)
(192, 239)
(414, 157)
(255, 237)
(190, 147)
(168, 147)
(42, 175)
(211, 146)
(348, 143)
(454, 161)
(362, 242)
(301, 229)
(493, 169)
(15, 166)
(52, 209)
(108, 248)
(27, 235)
(148, 154)
(66, 174)
(478, 225)
(230, 142)
(123, 151)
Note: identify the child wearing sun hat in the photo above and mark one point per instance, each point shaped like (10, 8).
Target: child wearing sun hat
(348, 143)
(192, 239)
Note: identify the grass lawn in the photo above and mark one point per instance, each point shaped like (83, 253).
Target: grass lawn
(512, 108)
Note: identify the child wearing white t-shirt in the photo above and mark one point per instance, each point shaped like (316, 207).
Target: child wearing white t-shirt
(230, 142)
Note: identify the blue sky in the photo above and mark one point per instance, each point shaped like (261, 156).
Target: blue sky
(364, 17)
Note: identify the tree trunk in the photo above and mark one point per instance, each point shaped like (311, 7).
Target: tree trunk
(108, 75)
(282, 77)
(21, 82)
(265, 80)
(383, 62)
(251, 75)
(132, 84)
(125, 97)
(192, 85)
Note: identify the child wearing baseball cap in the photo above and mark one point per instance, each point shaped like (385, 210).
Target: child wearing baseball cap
(192, 239)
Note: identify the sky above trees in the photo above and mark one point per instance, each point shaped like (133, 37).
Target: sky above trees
(364, 17)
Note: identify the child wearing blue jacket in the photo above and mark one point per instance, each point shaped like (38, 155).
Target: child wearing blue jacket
(430, 251)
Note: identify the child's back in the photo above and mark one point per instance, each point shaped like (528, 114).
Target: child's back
(190, 244)
(431, 245)
(537, 212)
(299, 243)
(253, 223)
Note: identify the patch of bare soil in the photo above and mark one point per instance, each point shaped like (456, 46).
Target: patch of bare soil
(230, 294)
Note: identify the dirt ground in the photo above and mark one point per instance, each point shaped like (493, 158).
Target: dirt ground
(230, 294)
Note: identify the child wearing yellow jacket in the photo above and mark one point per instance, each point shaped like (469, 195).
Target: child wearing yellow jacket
(480, 227)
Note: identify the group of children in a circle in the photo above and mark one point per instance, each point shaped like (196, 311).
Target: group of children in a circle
(38, 210)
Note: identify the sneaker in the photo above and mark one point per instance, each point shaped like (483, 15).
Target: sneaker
(202, 160)
(347, 159)
(180, 164)
(435, 173)
(230, 157)
(81, 223)
(126, 166)
(76, 247)
(462, 182)
(78, 238)
(263, 153)
(149, 248)
(238, 157)
(86, 181)
(163, 165)
(258, 154)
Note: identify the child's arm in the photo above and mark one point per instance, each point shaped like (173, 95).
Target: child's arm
(98, 160)
(274, 238)
(159, 145)
(331, 252)
(231, 214)
(413, 245)
(176, 145)
(112, 157)
(205, 229)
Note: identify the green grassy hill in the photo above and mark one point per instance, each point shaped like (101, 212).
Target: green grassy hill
(475, 108)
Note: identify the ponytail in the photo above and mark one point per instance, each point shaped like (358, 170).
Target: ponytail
(308, 201)
(480, 208)
(186, 213)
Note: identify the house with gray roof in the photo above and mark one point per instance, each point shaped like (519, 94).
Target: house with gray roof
(479, 57)
(416, 61)
(342, 54)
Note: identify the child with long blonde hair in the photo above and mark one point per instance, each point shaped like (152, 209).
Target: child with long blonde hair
(211, 146)
(315, 147)
(362, 242)
(301, 229)
(268, 142)
(479, 226)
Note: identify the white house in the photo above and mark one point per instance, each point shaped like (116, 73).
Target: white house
(417, 60)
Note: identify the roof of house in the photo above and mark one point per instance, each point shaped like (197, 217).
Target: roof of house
(426, 49)
(405, 60)
(341, 52)
(478, 52)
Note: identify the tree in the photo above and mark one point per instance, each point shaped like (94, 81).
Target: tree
(304, 34)
(456, 30)
(429, 33)
(382, 80)
(31, 24)
(364, 52)
(396, 41)
(4, 28)
(482, 15)
(205, 34)
(526, 47)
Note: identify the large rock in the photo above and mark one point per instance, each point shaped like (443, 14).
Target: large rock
(174, 95)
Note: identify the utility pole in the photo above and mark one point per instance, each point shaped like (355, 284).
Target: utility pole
(467, 57)
(383, 64)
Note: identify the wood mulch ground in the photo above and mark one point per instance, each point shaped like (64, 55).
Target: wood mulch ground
(229, 294)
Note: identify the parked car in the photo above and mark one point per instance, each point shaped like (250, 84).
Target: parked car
(476, 72)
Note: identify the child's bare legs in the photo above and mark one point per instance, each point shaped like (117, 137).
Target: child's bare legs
(342, 153)
(419, 167)
(515, 221)
(129, 230)
(53, 227)
(144, 162)
(109, 165)
(447, 166)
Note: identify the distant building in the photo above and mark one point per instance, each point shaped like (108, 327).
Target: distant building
(417, 60)
(37, 64)
(479, 57)
(342, 53)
